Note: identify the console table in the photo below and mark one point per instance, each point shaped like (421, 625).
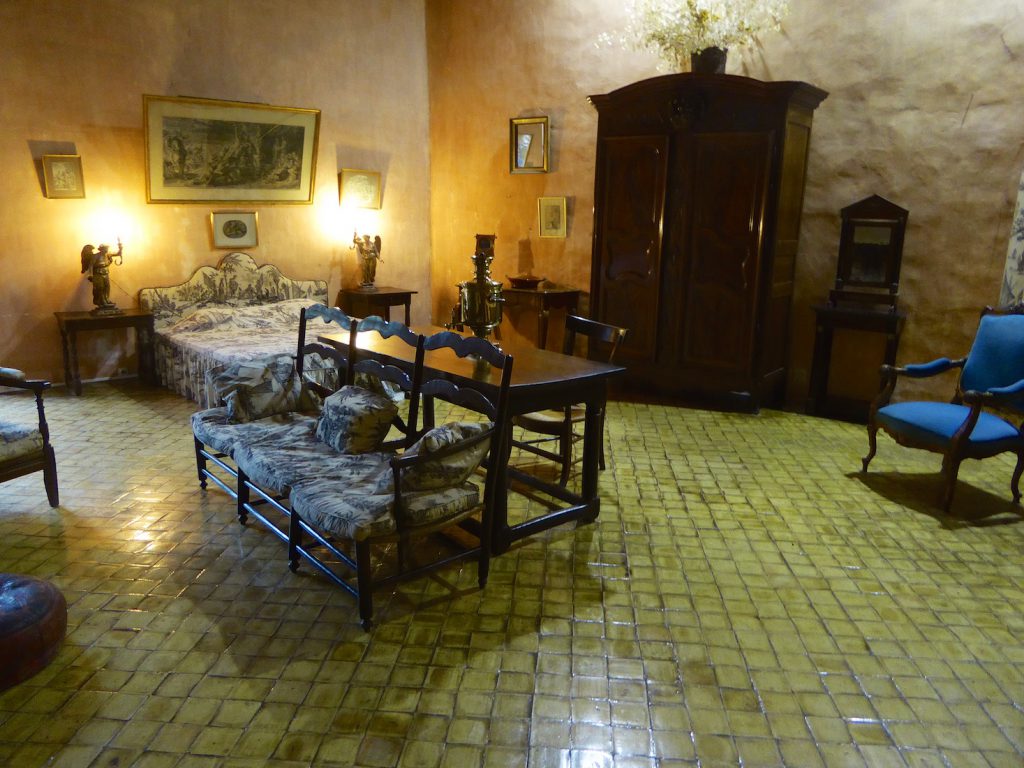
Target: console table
(542, 301)
(829, 317)
(360, 303)
(71, 323)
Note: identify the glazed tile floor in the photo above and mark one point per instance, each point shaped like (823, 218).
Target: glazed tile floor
(745, 598)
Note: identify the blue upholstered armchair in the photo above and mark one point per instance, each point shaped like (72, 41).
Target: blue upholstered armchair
(991, 376)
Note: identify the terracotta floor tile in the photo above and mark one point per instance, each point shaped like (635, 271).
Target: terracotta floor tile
(745, 596)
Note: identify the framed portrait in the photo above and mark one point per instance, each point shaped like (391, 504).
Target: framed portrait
(551, 213)
(358, 188)
(234, 229)
(62, 176)
(203, 150)
(528, 145)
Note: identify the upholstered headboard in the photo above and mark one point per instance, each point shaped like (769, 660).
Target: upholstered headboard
(235, 282)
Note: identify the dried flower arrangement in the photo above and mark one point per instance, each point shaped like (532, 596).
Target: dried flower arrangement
(678, 28)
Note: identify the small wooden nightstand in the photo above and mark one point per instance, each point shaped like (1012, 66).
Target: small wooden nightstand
(70, 323)
(360, 303)
(543, 300)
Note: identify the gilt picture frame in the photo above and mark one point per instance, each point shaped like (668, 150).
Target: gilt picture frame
(207, 150)
(358, 188)
(528, 145)
(551, 216)
(62, 176)
(234, 229)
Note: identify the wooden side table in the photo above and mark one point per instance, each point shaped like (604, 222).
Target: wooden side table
(829, 317)
(543, 300)
(359, 303)
(70, 323)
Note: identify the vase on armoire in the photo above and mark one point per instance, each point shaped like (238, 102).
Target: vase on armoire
(710, 61)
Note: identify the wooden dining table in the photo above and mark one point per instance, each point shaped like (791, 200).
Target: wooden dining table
(541, 379)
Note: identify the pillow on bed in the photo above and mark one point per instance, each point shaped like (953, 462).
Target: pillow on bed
(448, 471)
(355, 420)
(279, 315)
(264, 388)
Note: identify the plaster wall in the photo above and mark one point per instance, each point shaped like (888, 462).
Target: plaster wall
(923, 109)
(74, 74)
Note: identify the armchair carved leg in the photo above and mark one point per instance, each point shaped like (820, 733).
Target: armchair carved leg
(1015, 482)
(50, 477)
(872, 447)
(950, 468)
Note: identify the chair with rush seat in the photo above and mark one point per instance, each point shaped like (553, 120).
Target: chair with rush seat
(558, 424)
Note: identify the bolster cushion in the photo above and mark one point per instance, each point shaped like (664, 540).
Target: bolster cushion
(447, 471)
(355, 420)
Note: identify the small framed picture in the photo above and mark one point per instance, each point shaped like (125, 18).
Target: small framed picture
(358, 188)
(528, 145)
(234, 229)
(551, 213)
(62, 176)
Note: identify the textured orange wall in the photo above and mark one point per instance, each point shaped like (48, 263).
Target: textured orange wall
(923, 109)
(74, 74)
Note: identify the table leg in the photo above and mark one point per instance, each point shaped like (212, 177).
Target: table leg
(146, 355)
(542, 327)
(65, 350)
(501, 534)
(408, 311)
(819, 368)
(76, 376)
(592, 426)
(386, 314)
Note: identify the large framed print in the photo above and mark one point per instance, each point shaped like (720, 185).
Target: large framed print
(204, 150)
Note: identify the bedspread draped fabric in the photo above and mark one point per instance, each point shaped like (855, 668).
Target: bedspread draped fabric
(236, 312)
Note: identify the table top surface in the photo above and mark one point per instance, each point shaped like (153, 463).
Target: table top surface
(531, 368)
(379, 290)
(126, 313)
(542, 291)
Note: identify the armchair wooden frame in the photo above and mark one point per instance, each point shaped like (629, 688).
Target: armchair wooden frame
(43, 459)
(972, 404)
(558, 424)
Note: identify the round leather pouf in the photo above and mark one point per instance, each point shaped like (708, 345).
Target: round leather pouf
(33, 620)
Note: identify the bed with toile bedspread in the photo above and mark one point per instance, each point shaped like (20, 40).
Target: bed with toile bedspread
(236, 312)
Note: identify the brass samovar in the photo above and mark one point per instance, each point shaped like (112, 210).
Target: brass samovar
(480, 299)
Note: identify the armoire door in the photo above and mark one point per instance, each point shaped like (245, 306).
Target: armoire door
(729, 184)
(628, 238)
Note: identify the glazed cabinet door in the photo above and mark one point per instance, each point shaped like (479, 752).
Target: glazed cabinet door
(628, 225)
(729, 185)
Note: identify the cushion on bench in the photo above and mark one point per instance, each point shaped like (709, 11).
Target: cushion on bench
(354, 511)
(17, 440)
(213, 428)
(277, 462)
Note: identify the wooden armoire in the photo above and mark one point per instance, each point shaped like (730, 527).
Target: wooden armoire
(698, 193)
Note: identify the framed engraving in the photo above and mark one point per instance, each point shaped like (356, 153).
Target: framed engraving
(203, 150)
(62, 176)
(234, 229)
(551, 216)
(358, 188)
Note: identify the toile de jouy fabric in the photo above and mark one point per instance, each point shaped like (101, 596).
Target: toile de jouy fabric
(236, 312)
